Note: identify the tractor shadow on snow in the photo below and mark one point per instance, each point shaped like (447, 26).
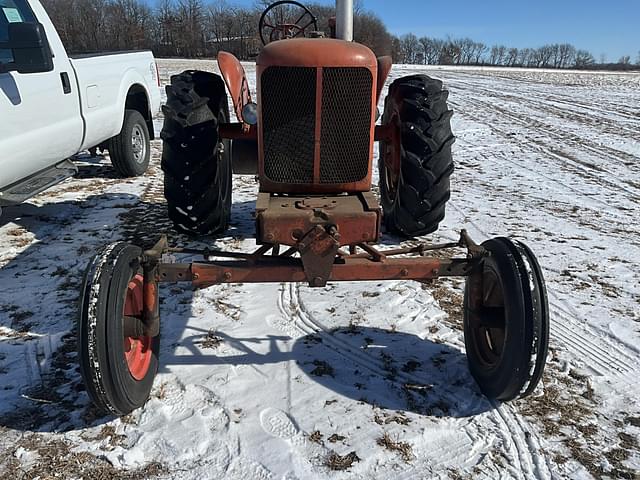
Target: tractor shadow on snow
(40, 384)
(387, 369)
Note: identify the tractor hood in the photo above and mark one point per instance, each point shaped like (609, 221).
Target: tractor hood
(317, 52)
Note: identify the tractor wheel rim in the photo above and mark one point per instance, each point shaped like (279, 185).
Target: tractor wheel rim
(138, 145)
(137, 350)
(489, 339)
(390, 183)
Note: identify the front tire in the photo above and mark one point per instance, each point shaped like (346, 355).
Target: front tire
(130, 150)
(413, 199)
(195, 160)
(506, 321)
(118, 371)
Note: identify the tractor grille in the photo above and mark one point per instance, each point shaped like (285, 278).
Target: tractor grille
(289, 124)
(346, 124)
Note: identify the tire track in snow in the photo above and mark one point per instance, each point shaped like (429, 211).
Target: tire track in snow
(585, 171)
(606, 357)
(504, 100)
(526, 453)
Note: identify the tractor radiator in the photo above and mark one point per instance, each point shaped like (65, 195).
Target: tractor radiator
(311, 138)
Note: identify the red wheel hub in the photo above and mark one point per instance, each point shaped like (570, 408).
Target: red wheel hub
(137, 350)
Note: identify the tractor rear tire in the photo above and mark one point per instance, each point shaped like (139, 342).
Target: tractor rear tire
(414, 202)
(195, 160)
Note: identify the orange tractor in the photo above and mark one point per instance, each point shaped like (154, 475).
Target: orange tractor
(309, 138)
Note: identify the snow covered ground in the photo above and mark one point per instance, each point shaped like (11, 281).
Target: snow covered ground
(352, 381)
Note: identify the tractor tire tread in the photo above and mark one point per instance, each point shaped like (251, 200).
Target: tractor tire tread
(426, 161)
(197, 194)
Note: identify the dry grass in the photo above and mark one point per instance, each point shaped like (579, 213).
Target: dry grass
(57, 460)
(210, 341)
(316, 437)
(568, 411)
(402, 448)
(340, 462)
(335, 438)
(449, 300)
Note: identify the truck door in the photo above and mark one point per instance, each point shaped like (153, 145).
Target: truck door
(40, 122)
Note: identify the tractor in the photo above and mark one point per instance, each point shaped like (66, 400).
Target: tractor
(309, 139)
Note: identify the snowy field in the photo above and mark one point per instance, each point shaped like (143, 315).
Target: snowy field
(367, 380)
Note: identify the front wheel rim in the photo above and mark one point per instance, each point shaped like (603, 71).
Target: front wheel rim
(488, 319)
(137, 350)
(138, 144)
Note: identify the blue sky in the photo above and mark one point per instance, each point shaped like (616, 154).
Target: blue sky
(603, 27)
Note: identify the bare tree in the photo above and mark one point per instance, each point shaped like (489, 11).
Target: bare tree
(479, 51)
(625, 60)
(410, 46)
(584, 59)
(512, 57)
(567, 55)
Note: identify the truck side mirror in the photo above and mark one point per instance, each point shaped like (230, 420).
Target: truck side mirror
(31, 51)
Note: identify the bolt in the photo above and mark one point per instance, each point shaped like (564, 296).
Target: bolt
(227, 275)
(404, 272)
(317, 282)
(270, 237)
(435, 272)
(196, 276)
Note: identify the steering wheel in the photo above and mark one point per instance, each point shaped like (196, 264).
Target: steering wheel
(286, 19)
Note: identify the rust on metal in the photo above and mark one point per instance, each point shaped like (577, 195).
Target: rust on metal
(384, 67)
(287, 219)
(237, 131)
(389, 135)
(321, 261)
(236, 80)
(150, 300)
(318, 250)
(319, 54)
(292, 270)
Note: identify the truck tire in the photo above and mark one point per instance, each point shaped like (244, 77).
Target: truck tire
(414, 202)
(130, 150)
(195, 161)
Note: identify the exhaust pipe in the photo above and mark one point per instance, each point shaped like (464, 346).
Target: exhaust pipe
(344, 20)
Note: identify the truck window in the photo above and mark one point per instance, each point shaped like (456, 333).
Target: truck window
(11, 11)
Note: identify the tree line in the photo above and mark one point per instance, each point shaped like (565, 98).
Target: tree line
(201, 28)
(466, 51)
(185, 28)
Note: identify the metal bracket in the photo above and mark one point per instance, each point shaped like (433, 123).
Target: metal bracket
(474, 250)
(318, 250)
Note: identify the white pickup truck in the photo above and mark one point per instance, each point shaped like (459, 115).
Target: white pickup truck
(53, 106)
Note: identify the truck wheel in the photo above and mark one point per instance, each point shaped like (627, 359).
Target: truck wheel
(413, 199)
(117, 370)
(506, 321)
(130, 150)
(195, 160)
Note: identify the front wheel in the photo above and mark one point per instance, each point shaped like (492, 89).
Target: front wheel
(130, 150)
(118, 370)
(506, 321)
